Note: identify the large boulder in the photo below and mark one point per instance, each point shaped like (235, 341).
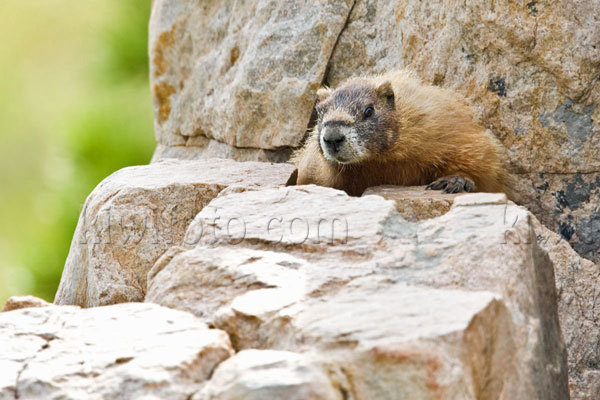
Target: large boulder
(137, 213)
(458, 306)
(125, 351)
(577, 283)
(245, 75)
(578, 288)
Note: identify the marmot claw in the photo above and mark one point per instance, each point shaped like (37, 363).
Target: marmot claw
(452, 184)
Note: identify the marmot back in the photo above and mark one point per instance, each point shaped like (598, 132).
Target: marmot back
(392, 129)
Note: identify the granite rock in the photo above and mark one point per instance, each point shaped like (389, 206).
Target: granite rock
(403, 309)
(126, 351)
(137, 213)
(242, 73)
(577, 283)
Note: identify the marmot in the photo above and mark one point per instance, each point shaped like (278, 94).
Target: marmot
(392, 129)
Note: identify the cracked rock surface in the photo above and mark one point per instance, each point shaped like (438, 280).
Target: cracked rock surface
(125, 351)
(458, 306)
(137, 213)
(578, 287)
(241, 73)
(326, 296)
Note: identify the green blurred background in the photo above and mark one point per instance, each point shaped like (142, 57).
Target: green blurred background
(75, 106)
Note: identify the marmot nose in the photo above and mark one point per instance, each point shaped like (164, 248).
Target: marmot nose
(333, 139)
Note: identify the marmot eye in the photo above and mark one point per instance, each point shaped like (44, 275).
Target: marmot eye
(368, 112)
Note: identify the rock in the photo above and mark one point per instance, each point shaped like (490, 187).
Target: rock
(244, 74)
(130, 351)
(269, 374)
(202, 280)
(576, 281)
(265, 305)
(266, 220)
(578, 290)
(19, 302)
(137, 213)
(567, 204)
(413, 203)
(204, 148)
(427, 347)
(459, 306)
(283, 219)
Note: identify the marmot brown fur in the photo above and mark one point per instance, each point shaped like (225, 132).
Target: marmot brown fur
(393, 130)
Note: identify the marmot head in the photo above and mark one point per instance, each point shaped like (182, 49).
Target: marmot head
(356, 122)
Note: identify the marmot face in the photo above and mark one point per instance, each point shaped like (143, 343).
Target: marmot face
(356, 122)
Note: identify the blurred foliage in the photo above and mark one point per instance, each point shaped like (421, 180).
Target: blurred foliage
(75, 106)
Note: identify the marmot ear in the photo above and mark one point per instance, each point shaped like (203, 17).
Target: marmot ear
(323, 93)
(385, 91)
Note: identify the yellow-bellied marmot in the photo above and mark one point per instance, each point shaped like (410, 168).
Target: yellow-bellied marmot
(393, 130)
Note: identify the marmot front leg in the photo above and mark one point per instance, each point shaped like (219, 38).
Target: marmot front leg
(453, 184)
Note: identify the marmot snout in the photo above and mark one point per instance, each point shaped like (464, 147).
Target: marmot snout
(391, 129)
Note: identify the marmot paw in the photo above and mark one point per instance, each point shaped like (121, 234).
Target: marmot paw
(452, 184)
